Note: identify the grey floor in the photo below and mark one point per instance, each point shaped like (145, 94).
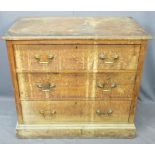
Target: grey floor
(145, 123)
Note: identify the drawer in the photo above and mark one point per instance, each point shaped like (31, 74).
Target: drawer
(117, 57)
(36, 112)
(111, 111)
(51, 57)
(55, 111)
(116, 85)
(36, 58)
(56, 86)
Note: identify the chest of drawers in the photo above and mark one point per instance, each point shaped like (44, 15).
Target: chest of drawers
(76, 76)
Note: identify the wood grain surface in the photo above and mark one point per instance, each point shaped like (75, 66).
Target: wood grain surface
(76, 27)
(76, 130)
(76, 57)
(15, 85)
(76, 86)
(40, 112)
(76, 79)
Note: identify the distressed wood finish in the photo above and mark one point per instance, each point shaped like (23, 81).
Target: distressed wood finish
(76, 130)
(14, 81)
(45, 112)
(40, 112)
(78, 79)
(82, 57)
(76, 28)
(77, 42)
(137, 82)
(76, 86)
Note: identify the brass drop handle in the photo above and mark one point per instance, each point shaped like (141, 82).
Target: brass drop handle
(107, 113)
(45, 113)
(102, 86)
(46, 86)
(113, 59)
(49, 57)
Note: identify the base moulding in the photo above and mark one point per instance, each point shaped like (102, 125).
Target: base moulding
(76, 130)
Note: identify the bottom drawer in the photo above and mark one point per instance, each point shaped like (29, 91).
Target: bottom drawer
(39, 112)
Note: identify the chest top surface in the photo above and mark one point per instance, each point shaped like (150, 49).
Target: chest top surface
(75, 28)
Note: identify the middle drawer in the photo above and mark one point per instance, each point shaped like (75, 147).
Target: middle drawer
(55, 86)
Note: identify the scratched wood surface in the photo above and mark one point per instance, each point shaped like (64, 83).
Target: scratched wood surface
(76, 86)
(76, 57)
(138, 81)
(35, 112)
(15, 83)
(85, 130)
(76, 27)
(80, 78)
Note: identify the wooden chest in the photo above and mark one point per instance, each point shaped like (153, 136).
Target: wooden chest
(76, 76)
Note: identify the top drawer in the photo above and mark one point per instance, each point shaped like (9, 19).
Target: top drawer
(93, 58)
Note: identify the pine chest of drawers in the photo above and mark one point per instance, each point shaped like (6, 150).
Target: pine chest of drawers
(76, 76)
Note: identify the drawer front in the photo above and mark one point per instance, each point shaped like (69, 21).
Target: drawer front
(55, 111)
(75, 86)
(36, 58)
(114, 85)
(118, 57)
(35, 112)
(111, 111)
(64, 57)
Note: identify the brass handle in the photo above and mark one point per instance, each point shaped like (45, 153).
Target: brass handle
(107, 113)
(113, 59)
(102, 86)
(46, 86)
(49, 57)
(45, 113)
